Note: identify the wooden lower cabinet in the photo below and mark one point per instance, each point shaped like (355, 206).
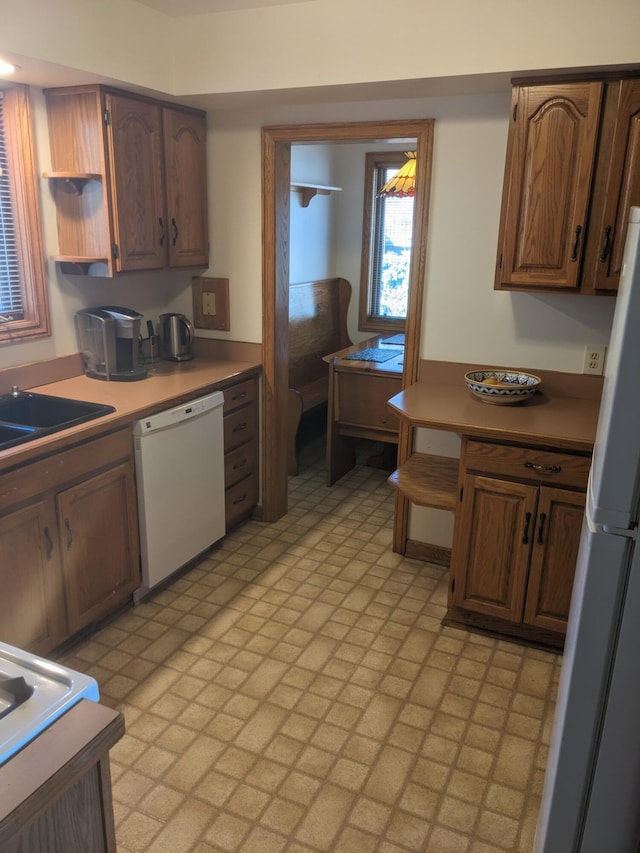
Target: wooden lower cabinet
(69, 552)
(99, 550)
(516, 540)
(32, 608)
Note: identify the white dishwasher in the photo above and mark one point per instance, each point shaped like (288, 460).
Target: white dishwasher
(179, 457)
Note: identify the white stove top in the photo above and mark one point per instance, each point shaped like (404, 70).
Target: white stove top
(55, 689)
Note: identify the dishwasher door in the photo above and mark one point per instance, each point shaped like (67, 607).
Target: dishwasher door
(179, 458)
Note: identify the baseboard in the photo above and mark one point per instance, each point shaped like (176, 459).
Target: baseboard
(427, 552)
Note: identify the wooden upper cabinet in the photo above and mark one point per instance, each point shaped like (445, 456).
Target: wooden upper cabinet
(550, 157)
(185, 149)
(134, 131)
(128, 180)
(616, 188)
(572, 173)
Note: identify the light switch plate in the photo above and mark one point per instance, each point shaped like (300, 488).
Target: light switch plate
(211, 303)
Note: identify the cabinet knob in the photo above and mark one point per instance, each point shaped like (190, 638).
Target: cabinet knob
(576, 243)
(606, 246)
(543, 518)
(47, 536)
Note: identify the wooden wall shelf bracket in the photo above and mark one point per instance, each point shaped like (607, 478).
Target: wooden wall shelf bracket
(308, 191)
(75, 180)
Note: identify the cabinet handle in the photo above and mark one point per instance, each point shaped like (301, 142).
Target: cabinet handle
(47, 536)
(241, 427)
(162, 231)
(574, 254)
(240, 499)
(240, 465)
(606, 246)
(67, 524)
(543, 469)
(525, 534)
(543, 518)
(175, 232)
(239, 396)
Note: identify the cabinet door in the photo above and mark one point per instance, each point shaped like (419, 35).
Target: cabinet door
(135, 159)
(550, 159)
(617, 186)
(493, 536)
(553, 559)
(32, 611)
(185, 151)
(99, 542)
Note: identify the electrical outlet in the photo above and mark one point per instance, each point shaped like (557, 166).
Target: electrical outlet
(594, 356)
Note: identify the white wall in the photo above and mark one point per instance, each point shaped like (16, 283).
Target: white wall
(312, 228)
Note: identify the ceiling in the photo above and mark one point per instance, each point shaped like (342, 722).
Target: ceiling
(204, 7)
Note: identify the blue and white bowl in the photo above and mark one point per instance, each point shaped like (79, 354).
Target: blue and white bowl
(502, 387)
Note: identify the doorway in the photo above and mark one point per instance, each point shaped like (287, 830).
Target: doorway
(276, 179)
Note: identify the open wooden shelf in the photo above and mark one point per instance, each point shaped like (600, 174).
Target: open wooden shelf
(77, 180)
(428, 480)
(308, 191)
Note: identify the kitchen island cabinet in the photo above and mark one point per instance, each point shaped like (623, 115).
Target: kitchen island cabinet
(128, 181)
(69, 551)
(571, 175)
(517, 491)
(516, 536)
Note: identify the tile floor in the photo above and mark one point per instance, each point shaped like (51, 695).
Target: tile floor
(295, 691)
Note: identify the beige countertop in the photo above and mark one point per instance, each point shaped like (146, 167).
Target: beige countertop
(168, 384)
(548, 419)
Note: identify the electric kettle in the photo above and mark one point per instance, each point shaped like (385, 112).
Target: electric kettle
(177, 337)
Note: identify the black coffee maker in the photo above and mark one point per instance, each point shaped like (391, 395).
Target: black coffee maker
(109, 342)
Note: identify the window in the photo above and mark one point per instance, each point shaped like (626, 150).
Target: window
(387, 234)
(24, 313)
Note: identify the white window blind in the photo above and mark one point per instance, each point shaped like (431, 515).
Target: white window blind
(11, 301)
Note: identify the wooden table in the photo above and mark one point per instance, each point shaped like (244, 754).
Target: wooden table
(358, 394)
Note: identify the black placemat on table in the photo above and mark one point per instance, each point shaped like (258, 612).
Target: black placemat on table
(393, 341)
(373, 354)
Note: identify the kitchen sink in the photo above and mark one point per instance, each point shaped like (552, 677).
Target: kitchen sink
(25, 416)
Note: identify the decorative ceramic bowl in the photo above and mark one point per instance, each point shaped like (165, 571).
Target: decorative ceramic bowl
(502, 387)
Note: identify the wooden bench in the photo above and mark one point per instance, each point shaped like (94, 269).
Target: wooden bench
(317, 327)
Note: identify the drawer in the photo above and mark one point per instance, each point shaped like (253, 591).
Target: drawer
(527, 463)
(240, 426)
(240, 499)
(361, 400)
(240, 463)
(240, 394)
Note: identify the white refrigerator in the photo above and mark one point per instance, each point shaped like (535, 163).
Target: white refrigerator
(591, 793)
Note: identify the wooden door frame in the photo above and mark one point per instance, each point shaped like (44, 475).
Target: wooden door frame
(276, 179)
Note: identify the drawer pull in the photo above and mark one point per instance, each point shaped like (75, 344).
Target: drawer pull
(240, 465)
(543, 518)
(241, 427)
(239, 396)
(543, 469)
(525, 533)
(240, 499)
